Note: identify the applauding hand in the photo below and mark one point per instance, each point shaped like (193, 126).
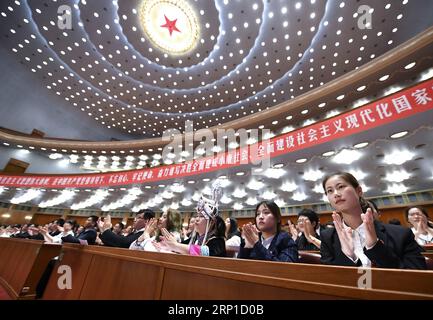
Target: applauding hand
(370, 232)
(250, 234)
(345, 235)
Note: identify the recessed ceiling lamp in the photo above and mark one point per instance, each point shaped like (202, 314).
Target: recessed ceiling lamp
(399, 134)
(360, 145)
(280, 202)
(347, 156)
(410, 65)
(178, 188)
(241, 173)
(301, 160)
(328, 153)
(360, 175)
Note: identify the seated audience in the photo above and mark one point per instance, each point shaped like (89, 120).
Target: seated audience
(309, 236)
(88, 235)
(264, 239)
(208, 239)
(360, 240)
(187, 234)
(232, 235)
(118, 228)
(127, 231)
(63, 232)
(170, 220)
(109, 238)
(422, 228)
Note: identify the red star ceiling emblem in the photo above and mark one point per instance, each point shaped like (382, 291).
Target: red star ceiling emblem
(170, 25)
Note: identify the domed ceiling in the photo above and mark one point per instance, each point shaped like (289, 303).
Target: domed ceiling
(143, 66)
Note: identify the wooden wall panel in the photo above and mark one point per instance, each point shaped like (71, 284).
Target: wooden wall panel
(111, 278)
(43, 219)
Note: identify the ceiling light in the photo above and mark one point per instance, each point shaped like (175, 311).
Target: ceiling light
(186, 203)
(274, 173)
(347, 156)
(280, 202)
(225, 199)
(399, 134)
(360, 145)
(410, 65)
(55, 156)
(397, 176)
(178, 188)
(318, 188)
(301, 160)
(255, 185)
(278, 165)
(239, 193)
(398, 157)
(269, 195)
(240, 173)
(383, 78)
(251, 201)
(313, 175)
(396, 188)
(328, 153)
(359, 174)
(288, 186)
(238, 206)
(299, 196)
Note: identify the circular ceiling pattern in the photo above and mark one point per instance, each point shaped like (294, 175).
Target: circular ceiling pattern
(238, 58)
(180, 31)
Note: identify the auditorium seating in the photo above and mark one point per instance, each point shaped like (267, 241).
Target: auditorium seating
(113, 273)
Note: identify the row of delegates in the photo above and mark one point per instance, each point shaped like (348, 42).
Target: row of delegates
(422, 228)
(264, 240)
(170, 220)
(360, 240)
(63, 231)
(111, 239)
(207, 238)
(87, 236)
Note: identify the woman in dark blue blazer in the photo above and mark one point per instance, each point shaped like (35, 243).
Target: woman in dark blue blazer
(264, 240)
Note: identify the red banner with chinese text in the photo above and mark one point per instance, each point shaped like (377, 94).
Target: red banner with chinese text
(398, 106)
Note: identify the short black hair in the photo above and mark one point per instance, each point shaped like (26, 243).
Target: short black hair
(60, 222)
(121, 225)
(375, 207)
(394, 221)
(311, 215)
(94, 219)
(147, 214)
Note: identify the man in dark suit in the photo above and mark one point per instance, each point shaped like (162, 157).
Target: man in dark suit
(109, 238)
(89, 233)
(395, 248)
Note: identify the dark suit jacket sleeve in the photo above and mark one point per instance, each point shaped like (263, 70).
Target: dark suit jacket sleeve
(328, 254)
(385, 257)
(70, 238)
(109, 238)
